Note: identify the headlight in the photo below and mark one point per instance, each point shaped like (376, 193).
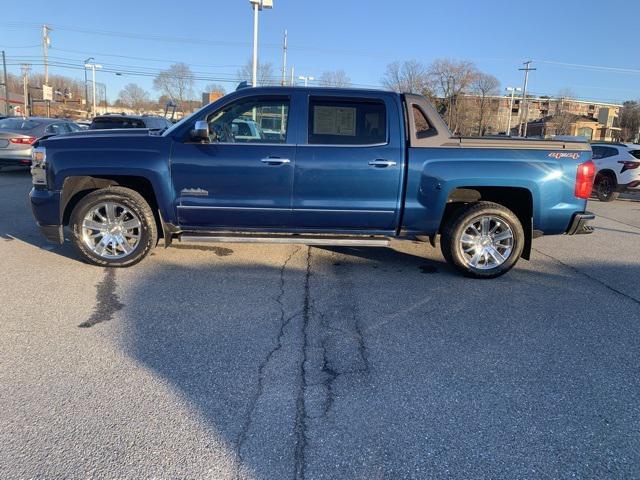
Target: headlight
(39, 166)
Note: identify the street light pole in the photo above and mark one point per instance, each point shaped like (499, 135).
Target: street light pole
(513, 91)
(257, 6)
(93, 65)
(86, 90)
(306, 79)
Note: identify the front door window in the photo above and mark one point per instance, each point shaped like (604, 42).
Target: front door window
(252, 120)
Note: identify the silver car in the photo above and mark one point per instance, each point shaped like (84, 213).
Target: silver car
(17, 135)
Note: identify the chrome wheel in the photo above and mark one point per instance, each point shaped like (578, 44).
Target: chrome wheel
(486, 242)
(111, 230)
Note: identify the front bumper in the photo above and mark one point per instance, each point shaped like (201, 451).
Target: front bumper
(45, 206)
(579, 224)
(53, 233)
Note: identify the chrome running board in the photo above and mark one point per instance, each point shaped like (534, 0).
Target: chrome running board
(324, 240)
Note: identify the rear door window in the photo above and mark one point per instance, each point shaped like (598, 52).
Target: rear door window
(336, 121)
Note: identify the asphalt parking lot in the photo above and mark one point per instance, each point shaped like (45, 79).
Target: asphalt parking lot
(273, 361)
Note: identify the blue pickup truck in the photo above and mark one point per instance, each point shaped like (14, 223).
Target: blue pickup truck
(314, 166)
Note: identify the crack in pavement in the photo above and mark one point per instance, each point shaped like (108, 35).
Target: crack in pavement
(300, 426)
(284, 322)
(107, 300)
(591, 277)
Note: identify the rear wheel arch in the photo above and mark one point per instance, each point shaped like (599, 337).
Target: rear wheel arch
(517, 199)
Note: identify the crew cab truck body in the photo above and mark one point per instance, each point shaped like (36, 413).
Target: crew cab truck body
(347, 167)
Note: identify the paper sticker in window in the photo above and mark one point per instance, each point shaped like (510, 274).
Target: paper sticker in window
(334, 121)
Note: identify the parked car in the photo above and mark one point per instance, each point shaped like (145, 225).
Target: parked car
(109, 121)
(617, 169)
(353, 168)
(18, 134)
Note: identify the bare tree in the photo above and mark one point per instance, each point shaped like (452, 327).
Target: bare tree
(265, 73)
(450, 79)
(630, 121)
(176, 83)
(407, 77)
(134, 97)
(335, 78)
(484, 86)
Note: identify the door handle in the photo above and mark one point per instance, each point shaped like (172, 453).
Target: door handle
(380, 163)
(275, 160)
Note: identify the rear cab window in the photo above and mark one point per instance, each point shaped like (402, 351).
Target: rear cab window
(338, 121)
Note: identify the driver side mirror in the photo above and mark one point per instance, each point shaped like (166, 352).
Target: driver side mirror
(200, 132)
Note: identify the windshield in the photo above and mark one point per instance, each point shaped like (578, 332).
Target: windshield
(18, 124)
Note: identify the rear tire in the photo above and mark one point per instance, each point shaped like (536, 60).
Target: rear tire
(482, 240)
(113, 227)
(605, 186)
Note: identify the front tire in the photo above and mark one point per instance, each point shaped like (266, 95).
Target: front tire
(482, 240)
(113, 227)
(605, 186)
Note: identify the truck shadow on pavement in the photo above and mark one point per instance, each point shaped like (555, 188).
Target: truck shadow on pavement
(326, 366)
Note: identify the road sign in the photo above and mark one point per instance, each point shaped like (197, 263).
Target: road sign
(47, 92)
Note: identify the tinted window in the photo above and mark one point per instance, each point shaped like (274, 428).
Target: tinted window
(116, 122)
(240, 121)
(603, 152)
(18, 124)
(420, 120)
(347, 122)
(635, 153)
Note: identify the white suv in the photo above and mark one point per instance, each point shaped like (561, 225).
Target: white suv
(617, 169)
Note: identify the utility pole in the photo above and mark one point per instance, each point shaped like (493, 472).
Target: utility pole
(6, 84)
(284, 60)
(525, 104)
(293, 78)
(25, 87)
(46, 41)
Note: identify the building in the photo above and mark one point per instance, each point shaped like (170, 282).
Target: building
(563, 116)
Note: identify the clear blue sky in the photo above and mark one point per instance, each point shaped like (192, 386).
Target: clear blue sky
(360, 37)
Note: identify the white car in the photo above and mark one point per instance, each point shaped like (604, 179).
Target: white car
(617, 169)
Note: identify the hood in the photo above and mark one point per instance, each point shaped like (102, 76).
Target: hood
(86, 135)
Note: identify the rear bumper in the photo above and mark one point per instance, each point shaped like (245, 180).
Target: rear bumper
(579, 224)
(15, 162)
(15, 157)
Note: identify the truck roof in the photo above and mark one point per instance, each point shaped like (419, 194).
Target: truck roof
(275, 89)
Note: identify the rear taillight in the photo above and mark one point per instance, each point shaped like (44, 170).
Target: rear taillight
(584, 179)
(627, 165)
(23, 140)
